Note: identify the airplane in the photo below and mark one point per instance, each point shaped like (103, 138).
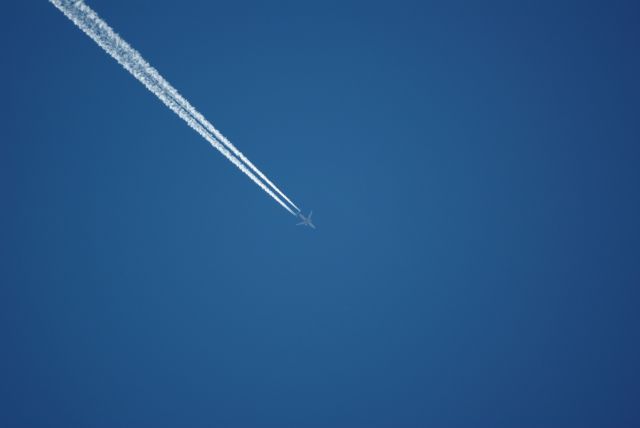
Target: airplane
(306, 221)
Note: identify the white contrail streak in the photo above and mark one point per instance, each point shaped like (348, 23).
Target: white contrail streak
(179, 99)
(100, 32)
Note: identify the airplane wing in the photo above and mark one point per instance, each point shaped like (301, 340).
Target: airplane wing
(310, 214)
(300, 224)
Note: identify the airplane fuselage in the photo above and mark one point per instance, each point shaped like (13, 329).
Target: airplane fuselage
(306, 221)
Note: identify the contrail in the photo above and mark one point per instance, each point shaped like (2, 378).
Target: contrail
(99, 31)
(180, 100)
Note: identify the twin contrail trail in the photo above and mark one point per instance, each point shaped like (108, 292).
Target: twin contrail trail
(100, 32)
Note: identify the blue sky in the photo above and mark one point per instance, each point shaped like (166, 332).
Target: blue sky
(473, 171)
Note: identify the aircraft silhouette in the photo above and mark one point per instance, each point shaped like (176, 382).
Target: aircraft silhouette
(306, 221)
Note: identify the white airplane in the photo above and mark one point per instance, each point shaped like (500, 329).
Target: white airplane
(306, 221)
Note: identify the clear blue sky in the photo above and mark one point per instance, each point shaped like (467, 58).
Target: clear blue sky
(473, 168)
